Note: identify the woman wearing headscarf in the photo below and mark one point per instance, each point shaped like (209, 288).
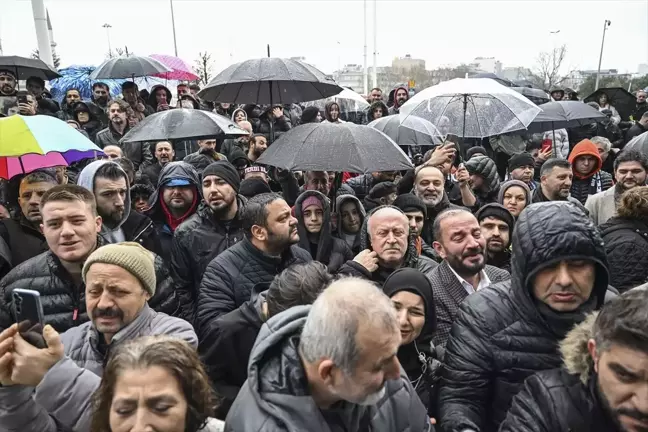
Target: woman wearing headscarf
(411, 293)
(515, 196)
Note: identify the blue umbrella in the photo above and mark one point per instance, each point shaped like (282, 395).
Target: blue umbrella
(79, 77)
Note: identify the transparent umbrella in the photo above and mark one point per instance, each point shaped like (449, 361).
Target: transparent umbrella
(408, 130)
(472, 108)
(349, 101)
(638, 143)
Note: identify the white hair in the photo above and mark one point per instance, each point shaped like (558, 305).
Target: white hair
(607, 145)
(334, 319)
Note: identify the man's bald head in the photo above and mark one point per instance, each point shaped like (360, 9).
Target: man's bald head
(388, 230)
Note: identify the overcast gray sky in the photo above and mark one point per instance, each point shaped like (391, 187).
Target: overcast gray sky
(441, 32)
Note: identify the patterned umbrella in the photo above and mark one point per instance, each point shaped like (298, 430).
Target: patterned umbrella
(78, 77)
(179, 69)
(13, 166)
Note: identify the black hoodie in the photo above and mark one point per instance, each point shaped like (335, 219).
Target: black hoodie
(152, 101)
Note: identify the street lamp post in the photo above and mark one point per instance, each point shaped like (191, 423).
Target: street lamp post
(606, 24)
(175, 43)
(108, 27)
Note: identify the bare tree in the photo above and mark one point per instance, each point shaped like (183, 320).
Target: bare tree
(203, 67)
(57, 60)
(549, 68)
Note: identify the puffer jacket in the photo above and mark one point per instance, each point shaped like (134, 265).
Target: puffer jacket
(593, 183)
(62, 400)
(62, 299)
(361, 185)
(339, 230)
(626, 244)
(331, 251)
(501, 336)
(230, 277)
(270, 126)
(157, 213)
(196, 242)
(561, 142)
(411, 259)
(137, 152)
(564, 399)
(276, 398)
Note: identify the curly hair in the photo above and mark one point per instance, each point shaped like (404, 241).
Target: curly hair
(177, 357)
(634, 203)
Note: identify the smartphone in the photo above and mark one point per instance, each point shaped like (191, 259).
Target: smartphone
(546, 145)
(454, 139)
(28, 313)
(22, 96)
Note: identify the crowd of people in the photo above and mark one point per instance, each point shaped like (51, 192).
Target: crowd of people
(497, 286)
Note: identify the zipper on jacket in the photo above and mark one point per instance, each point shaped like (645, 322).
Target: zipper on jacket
(142, 232)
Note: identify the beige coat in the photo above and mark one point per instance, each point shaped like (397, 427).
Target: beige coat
(601, 206)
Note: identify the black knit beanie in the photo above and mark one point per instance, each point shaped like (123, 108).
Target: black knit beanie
(226, 171)
(409, 202)
(520, 160)
(472, 151)
(496, 211)
(253, 186)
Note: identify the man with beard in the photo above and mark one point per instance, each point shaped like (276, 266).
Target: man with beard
(429, 186)
(49, 389)
(522, 167)
(139, 108)
(111, 188)
(215, 226)
(22, 236)
(163, 153)
(138, 153)
(7, 83)
(630, 169)
(642, 105)
(497, 224)
(270, 245)
(556, 178)
(505, 333)
(99, 102)
(330, 367)
(601, 386)
(72, 96)
(258, 144)
(175, 200)
(375, 95)
(401, 95)
(463, 271)
(416, 212)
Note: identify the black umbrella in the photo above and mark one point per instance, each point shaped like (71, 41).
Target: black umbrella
(181, 124)
(618, 97)
(535, 95)
(335, 147)
(492, 76)
(408, 130)
(25, 67)
(128, 67)
(270, 81)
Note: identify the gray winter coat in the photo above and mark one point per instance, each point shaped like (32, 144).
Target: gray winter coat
(275, 396)
(62, 401)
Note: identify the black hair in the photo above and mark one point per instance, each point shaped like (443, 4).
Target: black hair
(112, 171)
(129, 85)
(623, 321)
(101, 84)
(39, 177)
(194, 87)
(141, 190)
(36, 80)
(554, 163)
(376, 88)
(631, 156)
(445, 214)
(255, 211)
(297, 285)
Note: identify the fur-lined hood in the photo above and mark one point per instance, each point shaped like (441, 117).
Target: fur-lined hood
(573, 348)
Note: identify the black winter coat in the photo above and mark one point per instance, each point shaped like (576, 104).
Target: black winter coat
(196, 242)
(269, 126)
(626, 244)
(361, 185)
(23, 242)
(140, 229)
(137, 152)
(62, 299)
(500, 336)
(230, 277)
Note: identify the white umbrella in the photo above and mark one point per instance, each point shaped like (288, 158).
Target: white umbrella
(472, 108)
(638, 143)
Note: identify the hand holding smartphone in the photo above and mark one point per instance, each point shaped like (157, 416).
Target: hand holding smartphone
(28, 313)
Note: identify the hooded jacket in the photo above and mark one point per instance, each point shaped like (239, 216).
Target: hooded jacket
(158, 212)
(276, 397)
(152, 101)
(594, 182)
(196, 242)
(502, 334)
(564, 399)
(327, 113)
(411, 258)
(93, 125)
(268, 125)
(510, 183)
(23, 239)
(236, 111)
(395, 109)
(331, 251)
(352, 240)
(133, 226)
(626, 244)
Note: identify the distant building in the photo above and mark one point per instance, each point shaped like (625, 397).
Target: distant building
(407, 63)
(516, 73)
(351, 75)
(576, 78)
(642, 69)
(487, 64)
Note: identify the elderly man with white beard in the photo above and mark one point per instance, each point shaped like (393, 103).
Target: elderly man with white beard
(429, 186)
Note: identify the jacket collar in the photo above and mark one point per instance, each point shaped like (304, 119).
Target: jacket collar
(450, 283)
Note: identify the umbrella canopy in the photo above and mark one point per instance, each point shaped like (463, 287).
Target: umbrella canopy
(179, 69)
(25, 67)
(494, 77)
(621, 99)
(13, 166)
(535, 95)
(335, 147)
(408, 130)
(40, 134)
(564, 114)
(348, 100)
(181, 124)
(473, 107)
(270, 81)
(638, 143)
(78, 77)
(128, 67)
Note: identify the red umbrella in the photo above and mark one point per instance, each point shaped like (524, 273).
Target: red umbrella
(180, 70)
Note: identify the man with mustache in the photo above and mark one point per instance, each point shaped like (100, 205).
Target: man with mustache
(258, 144)
(602, 385)
(510, 330)
(98, 103)
(556, 179)
(270, 245)
(163, 153)
(630, 171)
(496, 224)
(50, 389)
(463, 271)
(216, 226)
(7, 83)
